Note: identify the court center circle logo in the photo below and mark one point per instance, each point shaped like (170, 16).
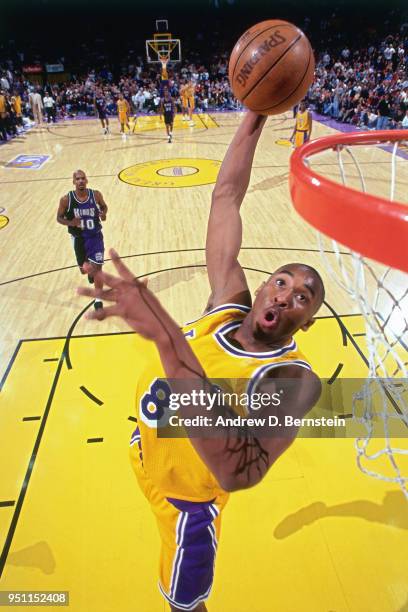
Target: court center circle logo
(172, 173)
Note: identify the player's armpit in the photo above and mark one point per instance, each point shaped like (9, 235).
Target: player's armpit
(293, 392)
(299, 389)
(240, 457)
(103, 207)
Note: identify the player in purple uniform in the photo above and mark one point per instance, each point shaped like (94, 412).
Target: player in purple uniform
(167, 109)
(100, 107)
(82, 211)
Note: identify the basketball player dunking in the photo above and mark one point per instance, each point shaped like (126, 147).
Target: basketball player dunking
(303, 126)
(164, 75)
(167, 110)
(187, 480)
(82, 210)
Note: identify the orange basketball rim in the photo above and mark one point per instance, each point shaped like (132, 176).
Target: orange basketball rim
(370, 225)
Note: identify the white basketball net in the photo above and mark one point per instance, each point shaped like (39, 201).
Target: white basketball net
(381, 294)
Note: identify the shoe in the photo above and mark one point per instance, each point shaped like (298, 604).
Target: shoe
(90, 279)
(169, 140)
(98, 304)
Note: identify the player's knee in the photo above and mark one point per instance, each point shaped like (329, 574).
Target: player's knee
(93, 268)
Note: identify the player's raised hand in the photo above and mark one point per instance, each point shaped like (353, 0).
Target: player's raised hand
(132, 301)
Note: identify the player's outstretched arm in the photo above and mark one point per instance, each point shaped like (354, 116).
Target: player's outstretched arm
(224, 233)
(237, 460)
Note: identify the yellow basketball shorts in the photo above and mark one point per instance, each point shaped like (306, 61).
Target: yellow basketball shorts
(191, 102)
(189, 533)
(301, 137)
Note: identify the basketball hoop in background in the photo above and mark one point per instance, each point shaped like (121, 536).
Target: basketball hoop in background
(163, 47)
(363, 240)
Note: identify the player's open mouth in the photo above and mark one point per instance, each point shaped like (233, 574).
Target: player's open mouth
(270, 318)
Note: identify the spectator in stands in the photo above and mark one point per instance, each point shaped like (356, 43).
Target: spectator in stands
(4, 82)
(383, 113)
(389, 52)
(138, 101)
(10, 118)
(36, 105)
(49, 105)
(3, 115)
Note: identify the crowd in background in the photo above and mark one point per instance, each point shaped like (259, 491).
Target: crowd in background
(141, 86)
(366, 87)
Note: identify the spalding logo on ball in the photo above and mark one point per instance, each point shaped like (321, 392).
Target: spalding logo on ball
(271, 67)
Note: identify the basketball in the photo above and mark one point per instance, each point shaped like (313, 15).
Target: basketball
(271, 67)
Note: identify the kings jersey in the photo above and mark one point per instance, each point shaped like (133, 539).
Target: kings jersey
(87, 211)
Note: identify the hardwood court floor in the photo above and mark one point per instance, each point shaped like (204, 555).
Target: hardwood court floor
(317, 535)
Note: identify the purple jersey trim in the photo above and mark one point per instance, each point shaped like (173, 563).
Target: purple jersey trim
(259, 374)
(245, 309)
(227, 346)
(178, 604)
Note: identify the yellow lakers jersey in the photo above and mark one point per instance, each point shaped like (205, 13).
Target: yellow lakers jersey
(122, 107)
(303, 121)
(172, 463)
(16, 102)
(164, 73)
